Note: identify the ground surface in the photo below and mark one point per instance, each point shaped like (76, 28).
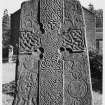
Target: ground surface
(7, 100)
(8, 72)
(8, 75)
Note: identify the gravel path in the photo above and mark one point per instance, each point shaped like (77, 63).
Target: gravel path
(8, 72)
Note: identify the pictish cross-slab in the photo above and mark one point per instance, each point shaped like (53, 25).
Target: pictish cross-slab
(53, 66)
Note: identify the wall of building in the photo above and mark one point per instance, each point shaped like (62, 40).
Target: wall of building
(90, 22)
(99, 35)
(99, 40)
(15, 25)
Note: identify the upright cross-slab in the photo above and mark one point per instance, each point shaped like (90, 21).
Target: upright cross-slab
(53, 66)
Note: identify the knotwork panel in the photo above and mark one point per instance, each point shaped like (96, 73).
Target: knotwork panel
(74, 39)
(51, 72)
(73, 28)
(51, 67)
(30, 33)
(51, 14)
(28, 41)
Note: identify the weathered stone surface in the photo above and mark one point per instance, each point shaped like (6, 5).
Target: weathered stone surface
(27, 71)
(29, 27)
(77, 79)
(73, 27)
(52, 32)
(27, 81)
(77, 86)
(51, 67)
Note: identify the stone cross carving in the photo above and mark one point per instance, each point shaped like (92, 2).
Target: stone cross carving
(53, 64)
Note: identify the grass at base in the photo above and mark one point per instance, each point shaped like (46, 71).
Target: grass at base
(7, 99)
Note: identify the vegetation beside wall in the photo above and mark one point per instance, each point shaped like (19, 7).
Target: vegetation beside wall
(96, 67)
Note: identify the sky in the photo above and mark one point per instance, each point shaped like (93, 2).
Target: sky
(13, 5)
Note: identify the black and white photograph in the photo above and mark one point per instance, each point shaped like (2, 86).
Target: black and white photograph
(52, 52)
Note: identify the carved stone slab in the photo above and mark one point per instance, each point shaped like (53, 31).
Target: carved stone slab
(27, 68)
(27, 81)
(73, 27)
(29, 39)
(51, 67)
(58, 74)
(51, 14)
(77, 84)
(77, 87)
